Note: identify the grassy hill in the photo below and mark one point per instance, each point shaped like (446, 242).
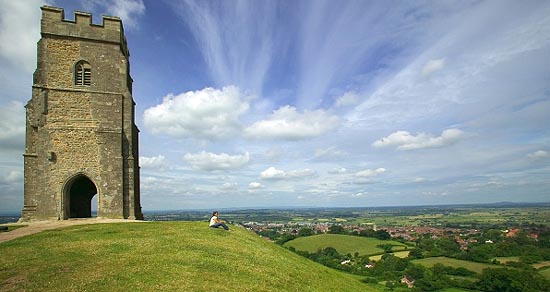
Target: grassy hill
(344, 244)
(160, 256)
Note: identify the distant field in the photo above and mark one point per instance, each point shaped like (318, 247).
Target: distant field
(472, 266)
(545, 273)
(541, 265)
(399, 254)
(454, 290)
(344, 244)
(459, 216)
(507, 259)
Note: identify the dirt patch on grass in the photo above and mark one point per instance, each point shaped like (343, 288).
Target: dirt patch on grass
(541, 265)
(12, 283)
(39, 226)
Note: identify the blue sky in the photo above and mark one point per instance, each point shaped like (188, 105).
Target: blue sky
(316, 103)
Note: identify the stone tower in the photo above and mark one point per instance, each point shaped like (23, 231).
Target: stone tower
(81, 138)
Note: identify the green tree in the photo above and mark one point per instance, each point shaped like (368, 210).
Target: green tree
(522, 238)
(416, 254)
(367, 233)
(544, 239)
(305, 231)
(284, 238)
(382, 235)
(426, 244)
(448, 246)
(494, 235)
(336, 229)
(415, 271)
(480, 253)
(387, 247)
(507, 280)
(507, 249)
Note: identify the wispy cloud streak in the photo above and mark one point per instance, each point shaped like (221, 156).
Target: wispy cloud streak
(481, 70)
(358, 37)
(236, 39)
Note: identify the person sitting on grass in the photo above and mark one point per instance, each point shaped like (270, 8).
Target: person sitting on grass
(215, 222)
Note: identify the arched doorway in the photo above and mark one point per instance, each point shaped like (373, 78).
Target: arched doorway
(79, 193)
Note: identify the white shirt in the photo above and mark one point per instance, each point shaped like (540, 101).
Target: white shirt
(213, 220)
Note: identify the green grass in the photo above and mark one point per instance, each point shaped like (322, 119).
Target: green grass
(545, 273)
(454, 290)
(344, 244)
(505, 260)
(160, 256)
(541, 265)
(472, 266)
(399, 254)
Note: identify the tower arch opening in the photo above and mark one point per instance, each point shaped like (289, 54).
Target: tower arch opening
(79, 193)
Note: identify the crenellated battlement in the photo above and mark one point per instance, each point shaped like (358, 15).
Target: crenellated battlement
(110, 30)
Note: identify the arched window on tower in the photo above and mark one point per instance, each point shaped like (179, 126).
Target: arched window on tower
(83, 73)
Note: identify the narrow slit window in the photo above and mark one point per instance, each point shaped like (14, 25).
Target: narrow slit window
(83, 74)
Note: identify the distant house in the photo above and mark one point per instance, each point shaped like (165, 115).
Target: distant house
(409, 281)
(346, 262)
(369, 265)
(512, 232)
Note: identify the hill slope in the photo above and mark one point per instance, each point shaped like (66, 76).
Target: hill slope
(160, 256)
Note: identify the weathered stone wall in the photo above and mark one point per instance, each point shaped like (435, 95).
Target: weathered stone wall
(81, 130)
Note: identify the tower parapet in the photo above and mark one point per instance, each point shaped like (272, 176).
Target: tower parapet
(111, 30)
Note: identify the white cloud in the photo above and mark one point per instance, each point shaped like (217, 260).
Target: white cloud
(208, 114)
(211, 161)
(272, 173)
(12, 126)
(19, 31)
(435, 194)
(403, 140)
(13, 176)
(148, 182)
(539, 154)
(330, 152)
(349, 98)
(152, 162)
(288, 124)
(128, 10)
(275, 174)
(274, 152)
(300, 173)
(255, 185)
(433, 66)
(370, 173)
(228, 186)
(340, 170)
(359, 195)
